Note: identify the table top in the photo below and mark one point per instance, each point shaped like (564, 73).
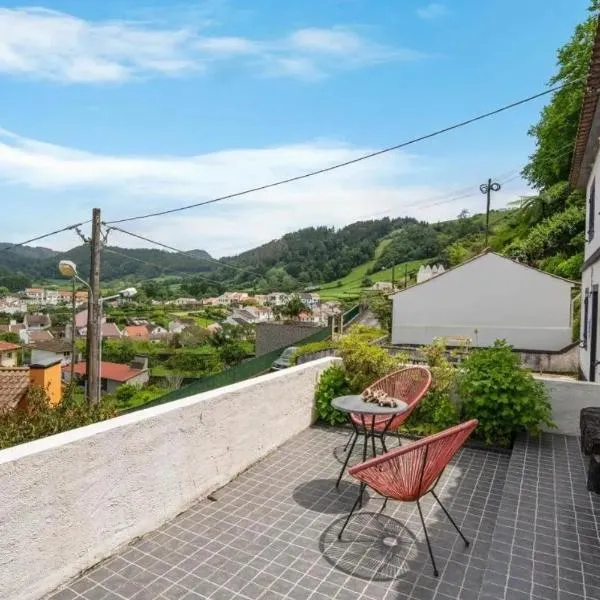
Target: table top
(356, 404)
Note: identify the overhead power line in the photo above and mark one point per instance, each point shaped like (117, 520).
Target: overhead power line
(354, 160)
(43, 236)
(186, 253)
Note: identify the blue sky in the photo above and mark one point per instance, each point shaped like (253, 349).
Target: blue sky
(133, 106)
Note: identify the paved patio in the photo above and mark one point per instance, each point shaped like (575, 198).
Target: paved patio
(272, 534)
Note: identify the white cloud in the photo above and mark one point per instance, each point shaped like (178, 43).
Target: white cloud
(47, 44)
(54, 176)
(432, 11)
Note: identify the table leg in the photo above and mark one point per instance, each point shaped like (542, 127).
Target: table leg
(373, 436)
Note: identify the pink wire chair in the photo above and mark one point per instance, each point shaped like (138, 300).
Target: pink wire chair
(409, 384)
(411, 471)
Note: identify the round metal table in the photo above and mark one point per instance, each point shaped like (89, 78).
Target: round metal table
(368, 411)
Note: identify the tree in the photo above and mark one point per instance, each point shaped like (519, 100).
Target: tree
(193, 336)
(556, 130)
(367, 282)
(10, 336)
(293, 308)
(381, 306)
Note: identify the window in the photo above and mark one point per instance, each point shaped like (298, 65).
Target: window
(591, 211)
(584, 324)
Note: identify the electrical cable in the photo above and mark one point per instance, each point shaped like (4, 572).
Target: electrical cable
(43, 236)
(354, 160)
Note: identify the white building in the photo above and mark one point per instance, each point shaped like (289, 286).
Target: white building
(585, 175)
(487, 298)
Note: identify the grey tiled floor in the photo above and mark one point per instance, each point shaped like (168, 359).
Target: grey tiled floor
(272, 534)
(547, 537)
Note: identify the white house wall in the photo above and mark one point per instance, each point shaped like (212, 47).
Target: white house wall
(590, 276)
(486, 299)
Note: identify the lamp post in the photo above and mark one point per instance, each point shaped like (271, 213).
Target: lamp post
(69, 269)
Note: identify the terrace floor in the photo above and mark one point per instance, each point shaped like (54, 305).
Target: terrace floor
(272, 534)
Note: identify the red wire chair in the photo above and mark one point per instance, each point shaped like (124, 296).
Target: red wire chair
(409, 384)
(411, 471)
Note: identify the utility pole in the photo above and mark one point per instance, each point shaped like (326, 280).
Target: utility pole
(93, 324)
(405, 276)
(73, 332)
(488, 188)
(393, 276)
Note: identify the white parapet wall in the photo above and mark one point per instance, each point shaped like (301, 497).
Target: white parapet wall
(568, 397)
(70, 500)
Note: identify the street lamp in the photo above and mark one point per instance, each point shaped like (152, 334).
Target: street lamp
(68, 268)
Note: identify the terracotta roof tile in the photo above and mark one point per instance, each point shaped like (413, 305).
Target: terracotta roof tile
(14, 383)
(112, 371)
(8, 347)
(40, 336)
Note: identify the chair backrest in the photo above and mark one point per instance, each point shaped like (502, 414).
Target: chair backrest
(409, 472)
(409, 384)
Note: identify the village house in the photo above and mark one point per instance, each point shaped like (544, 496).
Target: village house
(9, 354)
(114, 375)
(36, 321)
(382, 286)
(56, 349)
(309, 300)
(35, 295)
(185, 302)
(277, 298)
(487, 298)
(12, 305)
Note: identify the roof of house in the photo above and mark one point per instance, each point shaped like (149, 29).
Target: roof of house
(110, 330)
(8, 347)
(112, 371)
(40, 336)
(587, 117)
(139, 331)
(81, 318)
(56, 345)
(14, 383)
(477, 257)
(38, 319)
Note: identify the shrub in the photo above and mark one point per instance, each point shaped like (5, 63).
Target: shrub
(364, 363)
(437, 411)
(40, 419)
(310, 348)
(331, 384)
(504, 396)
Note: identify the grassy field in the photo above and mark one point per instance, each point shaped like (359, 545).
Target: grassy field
(351, 285)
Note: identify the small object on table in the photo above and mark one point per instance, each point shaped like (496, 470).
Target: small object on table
(380, 397)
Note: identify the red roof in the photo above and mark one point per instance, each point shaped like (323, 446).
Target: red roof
(8, 347)
(109, 370)
(139, 331)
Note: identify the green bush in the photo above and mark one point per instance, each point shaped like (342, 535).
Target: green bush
(437, 411)
(331, 384)
(40, 419)
(364, 363)
(310, 348)
(504, 396)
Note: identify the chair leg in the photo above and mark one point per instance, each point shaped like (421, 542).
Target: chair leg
(435, 571)
(337, 485)
(356, 503)
(466, 541)
(384, 504)
(352, 434)
(383, 444)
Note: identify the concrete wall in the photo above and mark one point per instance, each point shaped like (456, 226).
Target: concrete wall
(70, 500)
(485, 299)
(271, 336)
(548, 362)
(568, 397)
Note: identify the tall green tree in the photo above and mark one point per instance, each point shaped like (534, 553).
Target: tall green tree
(556, 130)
